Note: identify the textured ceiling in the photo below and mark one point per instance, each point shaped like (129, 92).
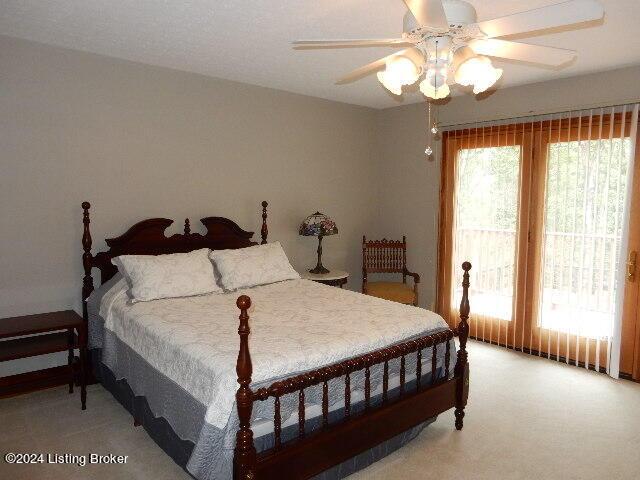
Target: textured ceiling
(249, 41)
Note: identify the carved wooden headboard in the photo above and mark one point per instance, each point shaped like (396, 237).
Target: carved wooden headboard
(147, 238)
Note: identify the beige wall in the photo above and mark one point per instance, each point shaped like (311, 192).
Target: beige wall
(410, 189)
(139, 141)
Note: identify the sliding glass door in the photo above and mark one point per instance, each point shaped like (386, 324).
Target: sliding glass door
(538, 209)
(485, 230)
(579, 240)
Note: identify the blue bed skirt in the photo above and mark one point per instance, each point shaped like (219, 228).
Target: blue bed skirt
(180, 450)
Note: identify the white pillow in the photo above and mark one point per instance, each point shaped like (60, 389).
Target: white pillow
(151, 277)
(251, 266)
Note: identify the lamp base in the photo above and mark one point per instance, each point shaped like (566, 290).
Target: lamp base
(318, 269)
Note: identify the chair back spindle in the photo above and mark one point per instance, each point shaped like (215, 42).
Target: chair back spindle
(384, 256)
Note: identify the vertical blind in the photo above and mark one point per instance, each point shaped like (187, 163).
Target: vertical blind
(540, 207)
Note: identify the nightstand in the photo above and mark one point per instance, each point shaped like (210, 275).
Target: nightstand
(47, 333)
(335, 278)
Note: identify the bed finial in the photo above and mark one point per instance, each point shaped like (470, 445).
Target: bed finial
(87, 280)
(187, 226)
(462, 364)
(244, 459)
(264, 231)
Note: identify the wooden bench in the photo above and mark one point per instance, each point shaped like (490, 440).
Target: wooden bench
(40, 334)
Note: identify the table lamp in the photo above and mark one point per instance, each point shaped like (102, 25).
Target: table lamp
(318, 225)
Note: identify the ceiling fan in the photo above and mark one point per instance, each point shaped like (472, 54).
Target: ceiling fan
(444, 42)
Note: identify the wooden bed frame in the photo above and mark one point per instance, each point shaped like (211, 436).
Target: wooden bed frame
(311, 452)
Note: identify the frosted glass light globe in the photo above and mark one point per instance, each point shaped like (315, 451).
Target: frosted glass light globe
(436, 93)
(399, 71)
(402, 69)
(390, 83)
(479, 72)
(471, 69)
(485, 82)
(434, 84)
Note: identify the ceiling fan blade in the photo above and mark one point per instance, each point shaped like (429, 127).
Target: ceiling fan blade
(428, 13)
(365, 70)
(522, 51)
(560, 14)
(360, 42)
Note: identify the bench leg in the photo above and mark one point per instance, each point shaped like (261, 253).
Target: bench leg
(70, 359)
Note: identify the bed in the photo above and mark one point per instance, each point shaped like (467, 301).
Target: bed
(333, 381)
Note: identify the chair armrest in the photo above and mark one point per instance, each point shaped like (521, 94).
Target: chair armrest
(416, 277)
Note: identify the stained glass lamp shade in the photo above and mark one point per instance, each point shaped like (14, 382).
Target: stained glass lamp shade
(318, 225)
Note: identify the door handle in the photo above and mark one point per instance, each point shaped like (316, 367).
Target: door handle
(631, 265)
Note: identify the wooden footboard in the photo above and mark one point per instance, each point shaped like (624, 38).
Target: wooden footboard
(314, 452)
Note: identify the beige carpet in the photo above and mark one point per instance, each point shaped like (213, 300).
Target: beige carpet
(527, 418)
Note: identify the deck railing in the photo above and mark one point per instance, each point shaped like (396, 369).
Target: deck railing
(579, 268)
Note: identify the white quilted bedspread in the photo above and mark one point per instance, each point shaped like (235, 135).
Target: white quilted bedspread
(296, 325)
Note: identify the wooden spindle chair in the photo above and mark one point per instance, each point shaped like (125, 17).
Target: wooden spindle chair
(388, 256)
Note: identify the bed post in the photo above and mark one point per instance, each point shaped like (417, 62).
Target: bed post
(264, 231)
(87, 280)
(462, 364)
(244, 455)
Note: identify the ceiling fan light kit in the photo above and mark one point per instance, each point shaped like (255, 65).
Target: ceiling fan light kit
(479, 73)
(430, 88)
(448, 46)
(399, 71)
